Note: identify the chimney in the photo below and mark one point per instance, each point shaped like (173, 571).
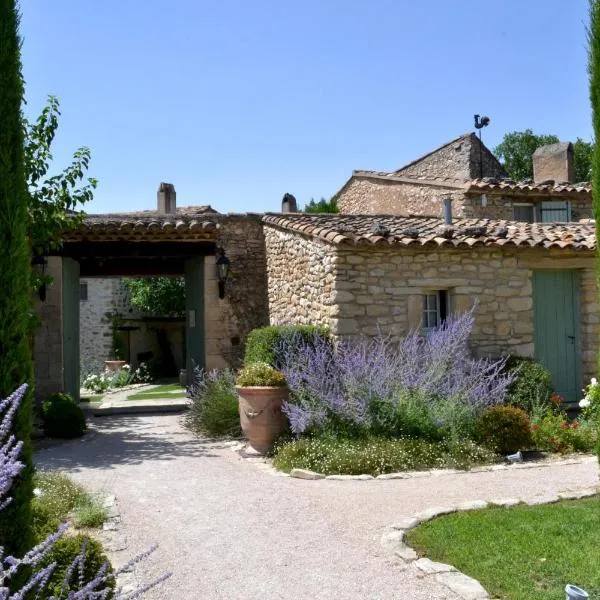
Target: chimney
(166, 198)
(555, 162)
(448, 211)
(288, 204)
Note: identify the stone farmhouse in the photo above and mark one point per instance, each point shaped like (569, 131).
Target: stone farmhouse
(408, 249)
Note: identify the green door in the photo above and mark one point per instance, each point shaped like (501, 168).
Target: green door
(70, 334)
(194, 304)
(556, 329)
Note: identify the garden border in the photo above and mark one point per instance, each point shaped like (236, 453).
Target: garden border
(467, 588)
(265, 464)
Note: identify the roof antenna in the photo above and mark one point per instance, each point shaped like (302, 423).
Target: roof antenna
(480, 123)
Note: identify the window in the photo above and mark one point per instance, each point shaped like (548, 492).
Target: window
(556, 211)
(435, 308)
(83, 292)
(524, 213)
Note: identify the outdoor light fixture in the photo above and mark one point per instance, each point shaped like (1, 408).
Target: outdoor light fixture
(39, 264)
(222, 271)
(575, 593)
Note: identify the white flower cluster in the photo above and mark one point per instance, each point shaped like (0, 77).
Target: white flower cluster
(586, 401)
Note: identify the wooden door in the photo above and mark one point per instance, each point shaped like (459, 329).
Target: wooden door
(556, 329)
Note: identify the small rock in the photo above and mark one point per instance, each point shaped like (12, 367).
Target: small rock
(110, 526)
(406, 523)
(306, 474)
(415, 474)
(430, 567)
(577, 494)
(537, 500)
(108, 501)
(505, 502)
(392, 540)
(435, 511)
(406, 552)
(466, 587)
(394, 476)
(498, 468)
(473, 505)
(350, 477)
(439, 472)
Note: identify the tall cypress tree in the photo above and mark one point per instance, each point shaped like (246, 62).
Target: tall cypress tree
(594, 72)
(15, 266)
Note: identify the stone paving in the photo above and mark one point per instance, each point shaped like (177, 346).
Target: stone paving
(229, 530)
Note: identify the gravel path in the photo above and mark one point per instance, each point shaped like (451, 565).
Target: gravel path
(228, 530)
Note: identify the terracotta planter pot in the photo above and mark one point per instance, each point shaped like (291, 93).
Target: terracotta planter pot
(114, 365)
(260, 415)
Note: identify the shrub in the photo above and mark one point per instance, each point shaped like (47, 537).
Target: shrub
(89, 513)
(260, 374)
(375, 456)
(62, 417)
(590, 404)
(505, 429)
(531, 389)
(98, 383)
(554, 433)
(64, 552)
(364, 384)
(214, 404)
(264, 344)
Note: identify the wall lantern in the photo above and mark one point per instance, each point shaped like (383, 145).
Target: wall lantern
(222, 271)
(39, 266)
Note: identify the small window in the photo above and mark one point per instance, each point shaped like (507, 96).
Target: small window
(524, 213)
(83, 292)
(435, 308)
(556, 211)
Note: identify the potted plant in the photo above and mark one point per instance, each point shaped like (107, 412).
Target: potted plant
(115, 363)
(261, 390)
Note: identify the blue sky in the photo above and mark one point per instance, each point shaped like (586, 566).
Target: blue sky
(237, 102)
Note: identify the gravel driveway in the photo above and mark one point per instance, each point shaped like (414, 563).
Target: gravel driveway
(229, 530)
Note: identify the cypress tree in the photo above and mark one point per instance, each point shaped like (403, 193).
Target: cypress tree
(15, 266)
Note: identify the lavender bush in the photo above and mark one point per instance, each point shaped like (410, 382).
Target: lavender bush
(427, 384)
(74, 586)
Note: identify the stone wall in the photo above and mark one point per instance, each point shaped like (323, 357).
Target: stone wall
(501, 207)
(377, 196)
(301, 277)
(458, 160)
(245, 306)
(358, 291)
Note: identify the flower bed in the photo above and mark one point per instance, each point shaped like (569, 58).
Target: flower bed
(125, 376)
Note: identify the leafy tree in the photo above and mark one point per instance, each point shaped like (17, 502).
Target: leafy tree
(54, 200)
(516, 150)
(159, 296)
(15, 267)
(322, 206)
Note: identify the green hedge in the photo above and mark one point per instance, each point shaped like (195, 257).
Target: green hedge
(62, 417)
(262, 343)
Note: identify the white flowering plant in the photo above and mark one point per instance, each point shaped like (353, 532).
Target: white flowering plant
(590, 404)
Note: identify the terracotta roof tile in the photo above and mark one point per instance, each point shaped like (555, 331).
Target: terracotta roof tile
(423, 231)
(555, 188)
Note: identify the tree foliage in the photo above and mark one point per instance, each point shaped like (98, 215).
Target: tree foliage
(15, 267)
(322, 206)
(158, 296)
(54, 200)
(515, 152)
(594, 73)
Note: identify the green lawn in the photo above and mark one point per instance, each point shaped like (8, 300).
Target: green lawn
(169, 390)
(91, 398)
(524, 552)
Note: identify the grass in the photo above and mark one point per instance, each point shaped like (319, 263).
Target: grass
(521, 552)
(160, 393)
(98, 398)
(60, 500)
(375, 456)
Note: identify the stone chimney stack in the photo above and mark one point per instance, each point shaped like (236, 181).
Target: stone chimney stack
(554, 161)
(289, 204)
(166, 198)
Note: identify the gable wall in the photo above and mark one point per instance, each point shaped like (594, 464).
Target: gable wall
(377, 196)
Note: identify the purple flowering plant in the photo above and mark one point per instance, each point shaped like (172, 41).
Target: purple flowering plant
(428, 381)
(74, 586)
